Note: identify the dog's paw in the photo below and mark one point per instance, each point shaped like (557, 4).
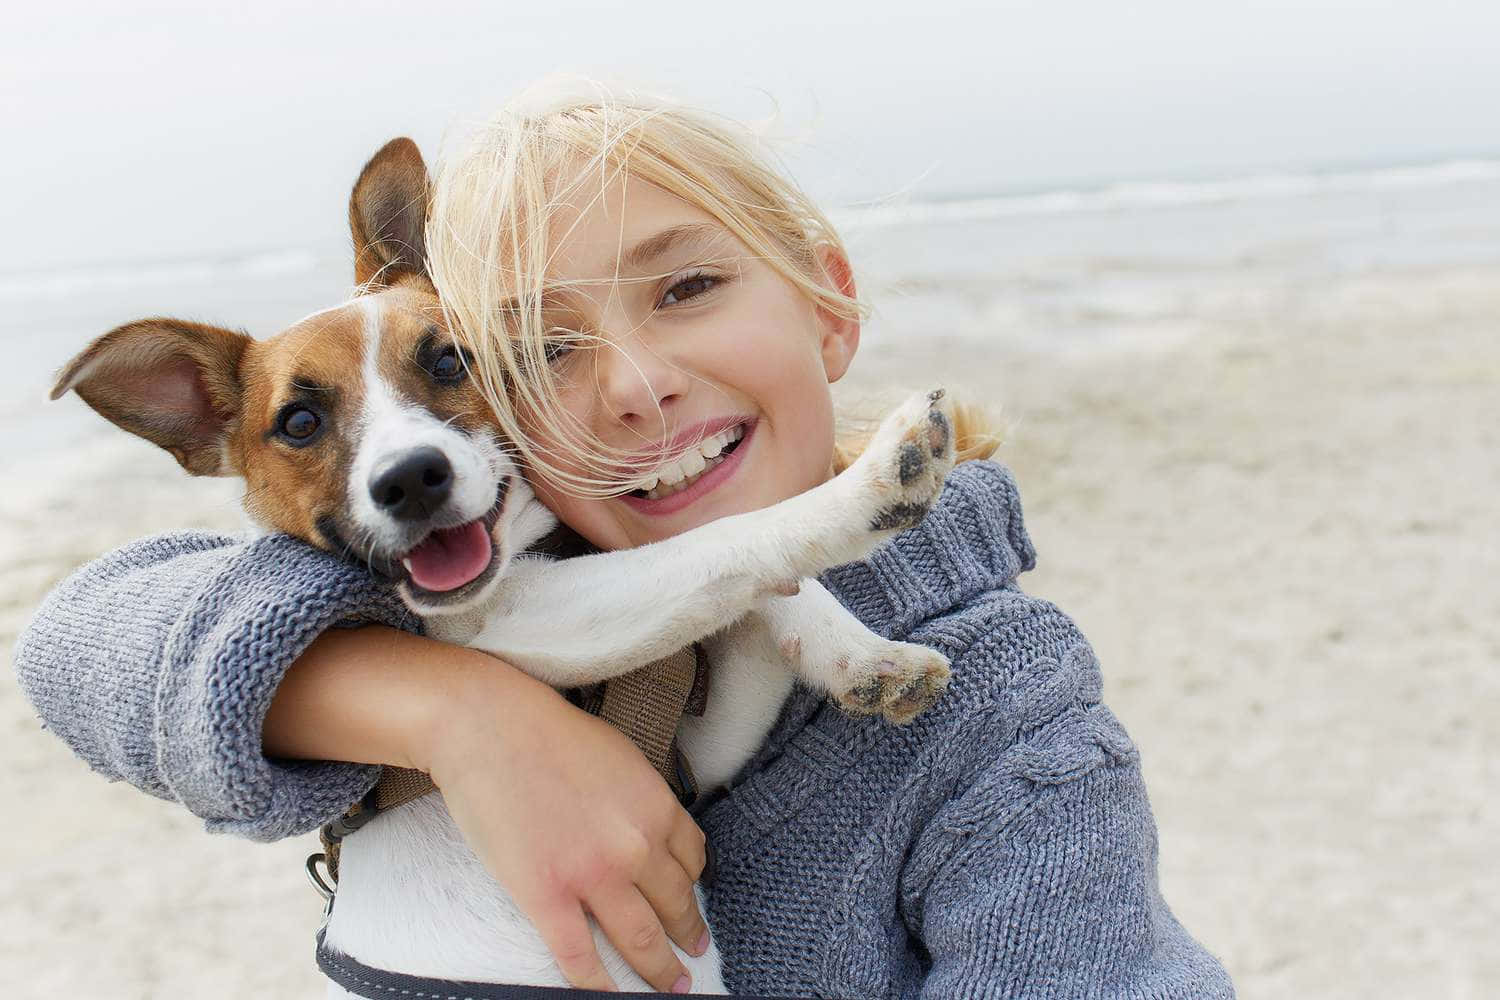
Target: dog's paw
(897, 680)
(905, 463)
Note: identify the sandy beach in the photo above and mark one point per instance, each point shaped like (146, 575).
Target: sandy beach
(1261, 476)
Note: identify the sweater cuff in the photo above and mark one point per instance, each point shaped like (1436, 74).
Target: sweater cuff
(242, 630)
(971, 541)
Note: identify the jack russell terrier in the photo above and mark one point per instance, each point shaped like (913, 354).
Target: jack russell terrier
(357, 430)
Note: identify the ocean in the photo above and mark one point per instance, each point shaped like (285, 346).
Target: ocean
(1118, 266)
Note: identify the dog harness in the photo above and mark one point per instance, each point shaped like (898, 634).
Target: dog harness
(378, 984)
(645, 705)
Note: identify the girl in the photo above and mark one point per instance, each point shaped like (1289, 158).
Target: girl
(628, 272)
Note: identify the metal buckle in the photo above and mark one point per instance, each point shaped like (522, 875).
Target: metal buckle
(319, 882)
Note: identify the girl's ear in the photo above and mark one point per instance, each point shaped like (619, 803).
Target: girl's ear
(839, 333)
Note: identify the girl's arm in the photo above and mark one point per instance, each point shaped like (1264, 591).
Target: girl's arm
(1062, 901)
(156, 664)
(161, 662)
(1040, 880)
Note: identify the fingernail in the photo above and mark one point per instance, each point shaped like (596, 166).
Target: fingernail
(702, 945)
(683, 984)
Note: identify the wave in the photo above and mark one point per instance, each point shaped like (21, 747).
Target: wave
(1137, 195)
(1124, 196)
(68, 282)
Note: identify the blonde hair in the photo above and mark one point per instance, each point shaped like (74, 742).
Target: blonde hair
(490, 245)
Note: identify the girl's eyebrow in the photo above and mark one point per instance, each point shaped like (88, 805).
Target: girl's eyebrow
(647, 250)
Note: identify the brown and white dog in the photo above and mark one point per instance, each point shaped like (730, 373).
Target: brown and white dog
(358, 430)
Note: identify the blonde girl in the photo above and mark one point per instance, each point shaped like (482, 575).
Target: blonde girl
(630, 276)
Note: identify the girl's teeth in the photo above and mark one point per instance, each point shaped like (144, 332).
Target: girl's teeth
(665, 490)
(691, 464)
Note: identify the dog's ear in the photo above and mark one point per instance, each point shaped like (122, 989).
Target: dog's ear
(387, 214)
(174, 383)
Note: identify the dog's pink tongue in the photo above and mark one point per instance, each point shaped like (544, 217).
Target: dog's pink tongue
(450, 558)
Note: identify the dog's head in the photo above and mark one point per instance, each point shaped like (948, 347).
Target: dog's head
(357, 429)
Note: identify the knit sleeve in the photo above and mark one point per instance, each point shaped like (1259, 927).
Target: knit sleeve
(1061, 901)
(1038, 879)
(157, 664)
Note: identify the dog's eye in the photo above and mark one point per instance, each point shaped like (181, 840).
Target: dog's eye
(299, 423)
(447, 366)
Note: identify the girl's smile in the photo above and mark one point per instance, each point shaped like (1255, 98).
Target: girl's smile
(720, 455)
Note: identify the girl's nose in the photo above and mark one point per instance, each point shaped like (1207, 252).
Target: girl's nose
(637, 385)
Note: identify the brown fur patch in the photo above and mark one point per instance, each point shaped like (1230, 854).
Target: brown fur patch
(316, 362)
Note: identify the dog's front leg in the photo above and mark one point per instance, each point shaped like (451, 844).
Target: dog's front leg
(832, 651)
(813, 638)
(579, 621)
(574, 622)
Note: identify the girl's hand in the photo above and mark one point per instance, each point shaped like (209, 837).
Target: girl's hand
(570, 817)
(563, 810)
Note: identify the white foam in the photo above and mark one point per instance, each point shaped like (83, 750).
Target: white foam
(1170, 194)
(63, 283)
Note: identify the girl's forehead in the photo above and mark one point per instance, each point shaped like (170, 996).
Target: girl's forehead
(627, 226)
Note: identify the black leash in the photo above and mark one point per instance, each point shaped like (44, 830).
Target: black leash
(378, 984)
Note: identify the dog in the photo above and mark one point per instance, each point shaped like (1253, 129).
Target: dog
(358, 430)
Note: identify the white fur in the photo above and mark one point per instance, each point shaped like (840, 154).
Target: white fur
(389, 424)
(412, 897)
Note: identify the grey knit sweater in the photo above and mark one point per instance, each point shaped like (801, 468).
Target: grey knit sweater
(1000, 846)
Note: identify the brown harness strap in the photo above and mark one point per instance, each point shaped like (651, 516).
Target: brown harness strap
(645, 705)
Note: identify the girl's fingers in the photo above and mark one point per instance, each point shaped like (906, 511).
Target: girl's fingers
(629, 921)
(689, 847)
(669, 890)
(565, 929)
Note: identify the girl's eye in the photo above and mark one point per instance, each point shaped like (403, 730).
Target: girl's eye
(560, 343)
(689, 288)
(299, 424)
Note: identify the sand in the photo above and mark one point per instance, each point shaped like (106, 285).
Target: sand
(1273, 513)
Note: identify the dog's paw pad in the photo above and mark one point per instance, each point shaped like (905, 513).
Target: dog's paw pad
(863, 699)
(901, 682)
(908, 459)
(897, 516)
(911, 463)
(919, 694)
(939, 432)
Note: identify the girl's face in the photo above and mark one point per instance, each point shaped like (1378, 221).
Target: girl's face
(699, 341)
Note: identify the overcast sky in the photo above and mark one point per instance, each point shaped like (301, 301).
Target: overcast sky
(150, 131)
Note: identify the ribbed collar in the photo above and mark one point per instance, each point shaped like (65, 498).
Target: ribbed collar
(973, 540)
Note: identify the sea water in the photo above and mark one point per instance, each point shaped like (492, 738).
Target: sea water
(1076, 269)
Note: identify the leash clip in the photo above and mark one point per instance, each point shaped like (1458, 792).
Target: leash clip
(315, 876)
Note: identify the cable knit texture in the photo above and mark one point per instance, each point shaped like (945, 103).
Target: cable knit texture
(1000, 846)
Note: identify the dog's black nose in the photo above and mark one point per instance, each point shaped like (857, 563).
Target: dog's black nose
(412, 484)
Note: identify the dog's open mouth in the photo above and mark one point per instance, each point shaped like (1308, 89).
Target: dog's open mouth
(450, 557)
(449, 562)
